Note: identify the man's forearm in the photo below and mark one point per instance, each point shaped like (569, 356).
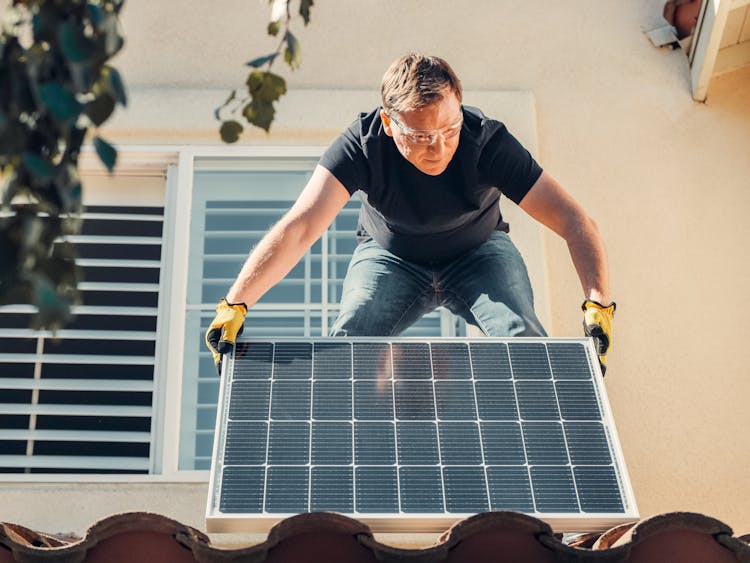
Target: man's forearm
(272, 259)
(589, 257)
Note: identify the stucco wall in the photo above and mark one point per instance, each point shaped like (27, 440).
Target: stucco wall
(667, 179)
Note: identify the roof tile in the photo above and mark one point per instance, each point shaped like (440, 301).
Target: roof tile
(490, 536)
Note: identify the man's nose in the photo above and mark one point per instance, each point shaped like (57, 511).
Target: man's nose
(439, 146)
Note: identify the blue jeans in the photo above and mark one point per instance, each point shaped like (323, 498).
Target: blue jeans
(489, 287)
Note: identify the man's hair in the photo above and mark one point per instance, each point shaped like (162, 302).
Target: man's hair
(415, 81)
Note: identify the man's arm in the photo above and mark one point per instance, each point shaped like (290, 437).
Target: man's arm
(288, 240)
(551, 205)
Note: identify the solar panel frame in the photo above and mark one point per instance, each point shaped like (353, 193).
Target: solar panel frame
(410, 516)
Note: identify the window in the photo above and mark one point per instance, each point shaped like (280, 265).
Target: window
(129, 387)
(233, 205)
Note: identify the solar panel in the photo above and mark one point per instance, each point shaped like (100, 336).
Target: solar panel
(410, 434)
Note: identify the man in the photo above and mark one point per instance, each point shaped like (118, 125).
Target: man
(430, 172)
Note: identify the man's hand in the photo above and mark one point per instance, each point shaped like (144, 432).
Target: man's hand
(597, 322)
(223, 331)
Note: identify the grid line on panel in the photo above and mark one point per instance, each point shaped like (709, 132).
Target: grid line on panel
(565, 439)
(437, 423)
(395, 427)
(521, 420)
(312, 424)
(268, 434)
(479, 425)
(354, 432)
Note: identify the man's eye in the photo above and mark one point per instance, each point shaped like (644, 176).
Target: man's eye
(421, 138)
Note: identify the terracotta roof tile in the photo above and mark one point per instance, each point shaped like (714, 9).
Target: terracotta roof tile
(331, 538)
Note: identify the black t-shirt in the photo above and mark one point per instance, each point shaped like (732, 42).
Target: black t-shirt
(431, 219)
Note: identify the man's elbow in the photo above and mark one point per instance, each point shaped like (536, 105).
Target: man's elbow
(582, 226)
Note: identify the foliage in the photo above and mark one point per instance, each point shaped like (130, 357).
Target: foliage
(264, 88)
(55, 83)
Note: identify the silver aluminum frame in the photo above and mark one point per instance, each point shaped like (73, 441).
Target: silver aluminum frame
(217, 522)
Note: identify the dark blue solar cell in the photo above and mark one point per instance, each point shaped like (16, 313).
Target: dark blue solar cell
(598, 489)
(545, 443)
(414, 400)
(569, 361)
(503, 444)
(537, 401)
(373, 400)
(246, 443)
(490, 360)
(455, 400)
(554, 490)
(411, 360)
(496, 400)
(460, 443)
(332, 490)
(290, 400)
(249, 400)
(528, 360)
(253, 360)
(376, 489)
(578, 400)
(332, 360)
(450, 360)
(372, 360)
(465, 490)
(332, 443)
(289, 443)
(242, 490)
(421, 489)
(417, 443)
(287, 489)
(510, 489)
(587, 443)
(332, 400)
(292, 360)
(374, 443)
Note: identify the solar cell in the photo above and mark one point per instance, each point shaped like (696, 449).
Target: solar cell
(413, 434)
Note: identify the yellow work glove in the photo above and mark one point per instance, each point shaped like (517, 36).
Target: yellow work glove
(223, 331)
(597, 322)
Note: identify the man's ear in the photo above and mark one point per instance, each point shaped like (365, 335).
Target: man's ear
(386, 123)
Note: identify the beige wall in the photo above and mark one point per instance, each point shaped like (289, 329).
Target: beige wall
(667, 179)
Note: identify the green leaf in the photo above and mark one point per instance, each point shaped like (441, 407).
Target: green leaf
(304, 10)
(274, 28)
(292, 53)
(100, 108)
(265, 86)
(230, 131)
(75, 46)
(38, 166)
(53, 310)
(260, 61)
(113, 41)
(95, 15)
(68, 186)
(107, 153)
(116, 86)
(217, 111)
(260, 113)
(60, 102)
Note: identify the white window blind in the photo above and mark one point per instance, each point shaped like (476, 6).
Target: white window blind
(80, 400)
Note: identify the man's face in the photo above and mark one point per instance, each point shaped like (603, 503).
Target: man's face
(442, 117)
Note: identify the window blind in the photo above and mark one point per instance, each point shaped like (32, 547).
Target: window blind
(80, 400)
